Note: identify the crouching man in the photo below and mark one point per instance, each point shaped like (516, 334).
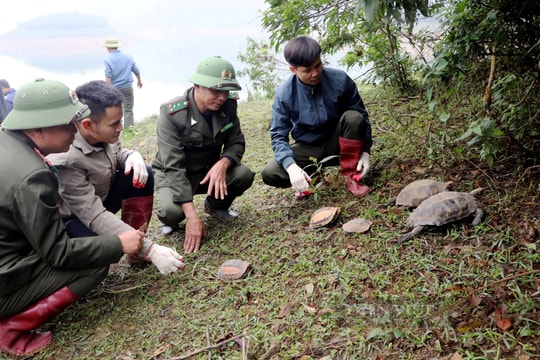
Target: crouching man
(98, 177)
(42, 269)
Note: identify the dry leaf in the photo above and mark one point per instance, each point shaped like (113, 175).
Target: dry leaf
(310, 309)
(324, 311)
(464, 327)
(456, 356)
(285, 310)
(502, 320)
(474, 301)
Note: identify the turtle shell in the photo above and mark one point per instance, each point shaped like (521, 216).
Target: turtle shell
(234, 269)
(442, 208)
(417, 191)
(357, 225)
(324, 216)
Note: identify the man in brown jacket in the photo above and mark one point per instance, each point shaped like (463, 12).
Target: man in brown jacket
(98, 177)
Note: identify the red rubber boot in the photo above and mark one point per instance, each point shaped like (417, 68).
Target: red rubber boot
(17, 335)
(349, 155)
(137, 211)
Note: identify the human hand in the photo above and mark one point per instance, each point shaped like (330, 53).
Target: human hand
(195, 231)
(166, 259)
(363, 164)
(216, 179)
(136, 162)
(131, 241)
(299, 178)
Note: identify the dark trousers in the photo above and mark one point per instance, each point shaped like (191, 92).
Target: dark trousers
(121, 189)
(47, 281)
(351, 126)
(239, 178)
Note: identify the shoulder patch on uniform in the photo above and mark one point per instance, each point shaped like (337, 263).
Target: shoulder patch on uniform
(177, 105)
(234, 95)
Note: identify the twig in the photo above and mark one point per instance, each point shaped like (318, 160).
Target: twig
(334, 342)
(527, 170)
(125, 289)
(208, 342)
(207, 348)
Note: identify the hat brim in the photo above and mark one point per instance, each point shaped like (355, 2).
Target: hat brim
(211, 83)
(36, 118)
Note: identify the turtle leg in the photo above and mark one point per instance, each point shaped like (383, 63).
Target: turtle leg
(415, 231)
(477, 216)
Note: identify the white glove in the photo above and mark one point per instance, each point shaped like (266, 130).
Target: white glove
(363, 164)
(299, 178)
(136, 162)
(167, 260)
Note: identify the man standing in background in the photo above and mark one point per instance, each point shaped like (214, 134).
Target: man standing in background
(9, 94)
(118, 69)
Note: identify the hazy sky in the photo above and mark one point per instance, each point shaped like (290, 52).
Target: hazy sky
(195, 29)
(208, 16)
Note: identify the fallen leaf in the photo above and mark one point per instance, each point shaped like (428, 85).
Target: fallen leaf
(285, 310)
(502, 320)
(464, 327)
(310, 309)
(456, 356)
(474, 301)
(309, 288)
(324, 311)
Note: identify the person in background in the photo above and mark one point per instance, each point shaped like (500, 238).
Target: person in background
(9, 93)
(200, 148)
(119, 68)
(42, 269)
(3, 109)
(98, 177)
(321, 109)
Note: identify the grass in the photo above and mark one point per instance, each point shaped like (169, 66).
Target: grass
(325, 294)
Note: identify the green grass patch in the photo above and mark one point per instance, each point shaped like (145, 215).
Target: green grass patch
(326, 294)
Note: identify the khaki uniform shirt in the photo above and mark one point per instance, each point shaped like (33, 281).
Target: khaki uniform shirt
(86, 173)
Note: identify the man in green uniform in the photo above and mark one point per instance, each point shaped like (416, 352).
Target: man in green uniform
(200, 148)
(42, 270)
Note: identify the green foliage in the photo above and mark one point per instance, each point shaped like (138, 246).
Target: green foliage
(264, 69)
(484, 132)
(341, 25)
(497, 38)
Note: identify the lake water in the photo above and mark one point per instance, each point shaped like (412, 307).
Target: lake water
(164, 68)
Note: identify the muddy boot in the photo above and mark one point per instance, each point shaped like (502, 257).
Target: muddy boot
(349, 155)
(17, 335)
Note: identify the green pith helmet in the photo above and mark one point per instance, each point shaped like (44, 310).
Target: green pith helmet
(44, 103)
(215, 73)
(111, 43)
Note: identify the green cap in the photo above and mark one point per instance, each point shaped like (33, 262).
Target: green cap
(111, 42)
(44, 103)
(215, 73)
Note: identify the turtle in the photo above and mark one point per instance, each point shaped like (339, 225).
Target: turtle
(324, 216)
(443, 208)
(417, 191)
